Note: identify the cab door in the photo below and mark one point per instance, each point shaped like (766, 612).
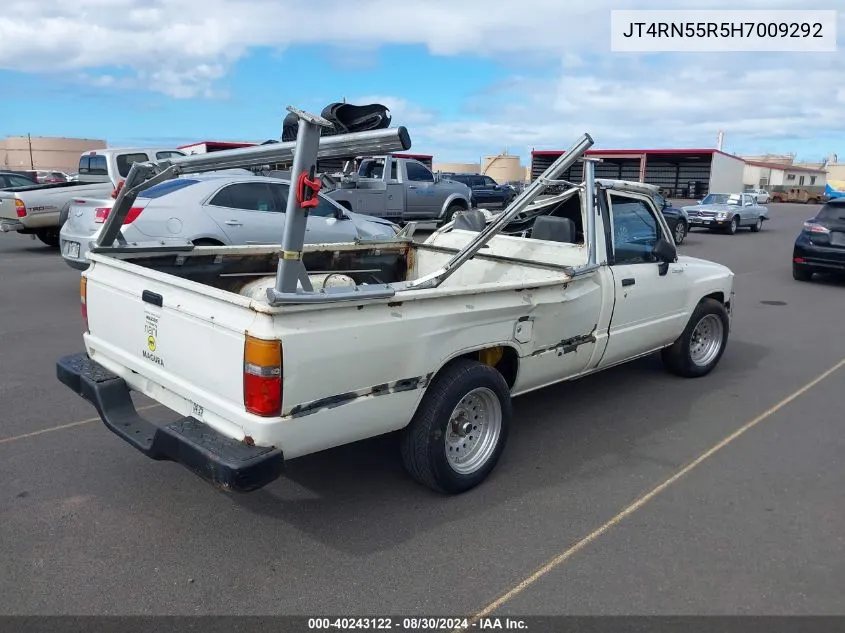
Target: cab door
(650, 308)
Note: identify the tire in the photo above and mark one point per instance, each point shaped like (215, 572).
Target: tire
(689, 356)
(451, 210)
(802, 273)
(679, 233)
(63, 214)
(431, 437)
(49, 236)
(734, 226)
(756, 228)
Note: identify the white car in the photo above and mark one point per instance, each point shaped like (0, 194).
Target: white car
(215, 209)
(761, 195)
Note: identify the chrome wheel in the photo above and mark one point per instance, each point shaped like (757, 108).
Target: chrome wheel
(680, 232)
(473, 430)
(734, 226)
(706, 340)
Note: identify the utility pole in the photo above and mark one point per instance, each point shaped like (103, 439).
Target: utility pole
(31, 161)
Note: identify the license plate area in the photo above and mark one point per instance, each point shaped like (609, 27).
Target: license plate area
(71, 249)
(837, 238)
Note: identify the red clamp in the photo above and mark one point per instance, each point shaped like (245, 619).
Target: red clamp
(307, 190)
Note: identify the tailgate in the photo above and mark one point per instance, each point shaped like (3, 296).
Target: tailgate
(182, 342)
(7, 206)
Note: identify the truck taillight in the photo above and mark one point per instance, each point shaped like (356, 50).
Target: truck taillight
(263, 377)
(20, 208)
(83, 299)
(101, 214)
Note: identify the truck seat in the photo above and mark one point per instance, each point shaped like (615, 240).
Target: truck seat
(554, 229)
(470, 220)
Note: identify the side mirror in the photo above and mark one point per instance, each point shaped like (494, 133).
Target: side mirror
(665, 252)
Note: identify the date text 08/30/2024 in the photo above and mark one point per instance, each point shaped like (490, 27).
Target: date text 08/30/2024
(418, 624)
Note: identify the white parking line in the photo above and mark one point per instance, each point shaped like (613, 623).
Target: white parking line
(62, 427)
(642, 501)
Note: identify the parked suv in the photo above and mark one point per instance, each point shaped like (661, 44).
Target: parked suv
(485, 190)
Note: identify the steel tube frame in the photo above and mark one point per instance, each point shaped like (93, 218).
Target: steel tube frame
(144, 175)
(523, 200)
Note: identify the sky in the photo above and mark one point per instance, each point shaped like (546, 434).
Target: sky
(467, 78)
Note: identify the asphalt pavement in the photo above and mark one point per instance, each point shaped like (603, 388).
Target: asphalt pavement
(622, 493)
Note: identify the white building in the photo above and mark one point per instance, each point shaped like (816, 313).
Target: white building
(776, 176)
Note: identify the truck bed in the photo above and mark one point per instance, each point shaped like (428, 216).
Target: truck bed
(229, 269)
(173, 326)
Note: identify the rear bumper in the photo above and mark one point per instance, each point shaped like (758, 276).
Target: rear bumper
(10, 226)
(818, 256)
(220, 460)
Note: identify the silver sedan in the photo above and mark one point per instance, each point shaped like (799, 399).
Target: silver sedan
(727, 212)
(214, 209)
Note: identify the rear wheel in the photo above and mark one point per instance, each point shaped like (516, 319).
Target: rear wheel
(460, 429)
(701, 345)
(680, 231)
(801, 273)
(49, 236)
(758, 226)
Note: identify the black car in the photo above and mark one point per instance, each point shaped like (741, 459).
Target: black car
(820, 247)
(485, 190)
(675, 218)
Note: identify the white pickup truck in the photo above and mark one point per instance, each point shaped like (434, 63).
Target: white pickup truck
(432, 339)
(40, 210)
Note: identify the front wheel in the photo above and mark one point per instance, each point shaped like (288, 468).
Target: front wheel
(451, 210)
(701, 345)
(460, 429)
(733, 227)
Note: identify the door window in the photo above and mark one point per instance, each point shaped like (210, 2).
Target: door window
(249, 196)
(18, 181)
(125, 162)
(488, 182)
(635, 231)
(324, 209)
(418, 172)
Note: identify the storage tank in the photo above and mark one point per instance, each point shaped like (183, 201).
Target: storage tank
(503, 168)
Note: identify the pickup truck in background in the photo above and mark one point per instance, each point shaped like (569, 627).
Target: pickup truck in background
(400, 189)
(430, 339)
(485, 190)
(40, 210)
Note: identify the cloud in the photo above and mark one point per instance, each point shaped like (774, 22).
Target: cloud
(184, 49)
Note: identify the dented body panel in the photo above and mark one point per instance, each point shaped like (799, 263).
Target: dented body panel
(174, 325)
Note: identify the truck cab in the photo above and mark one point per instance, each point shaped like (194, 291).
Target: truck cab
(401, 189)
(113, 164)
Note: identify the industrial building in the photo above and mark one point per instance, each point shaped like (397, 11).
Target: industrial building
(50, 153)
(680, 173)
